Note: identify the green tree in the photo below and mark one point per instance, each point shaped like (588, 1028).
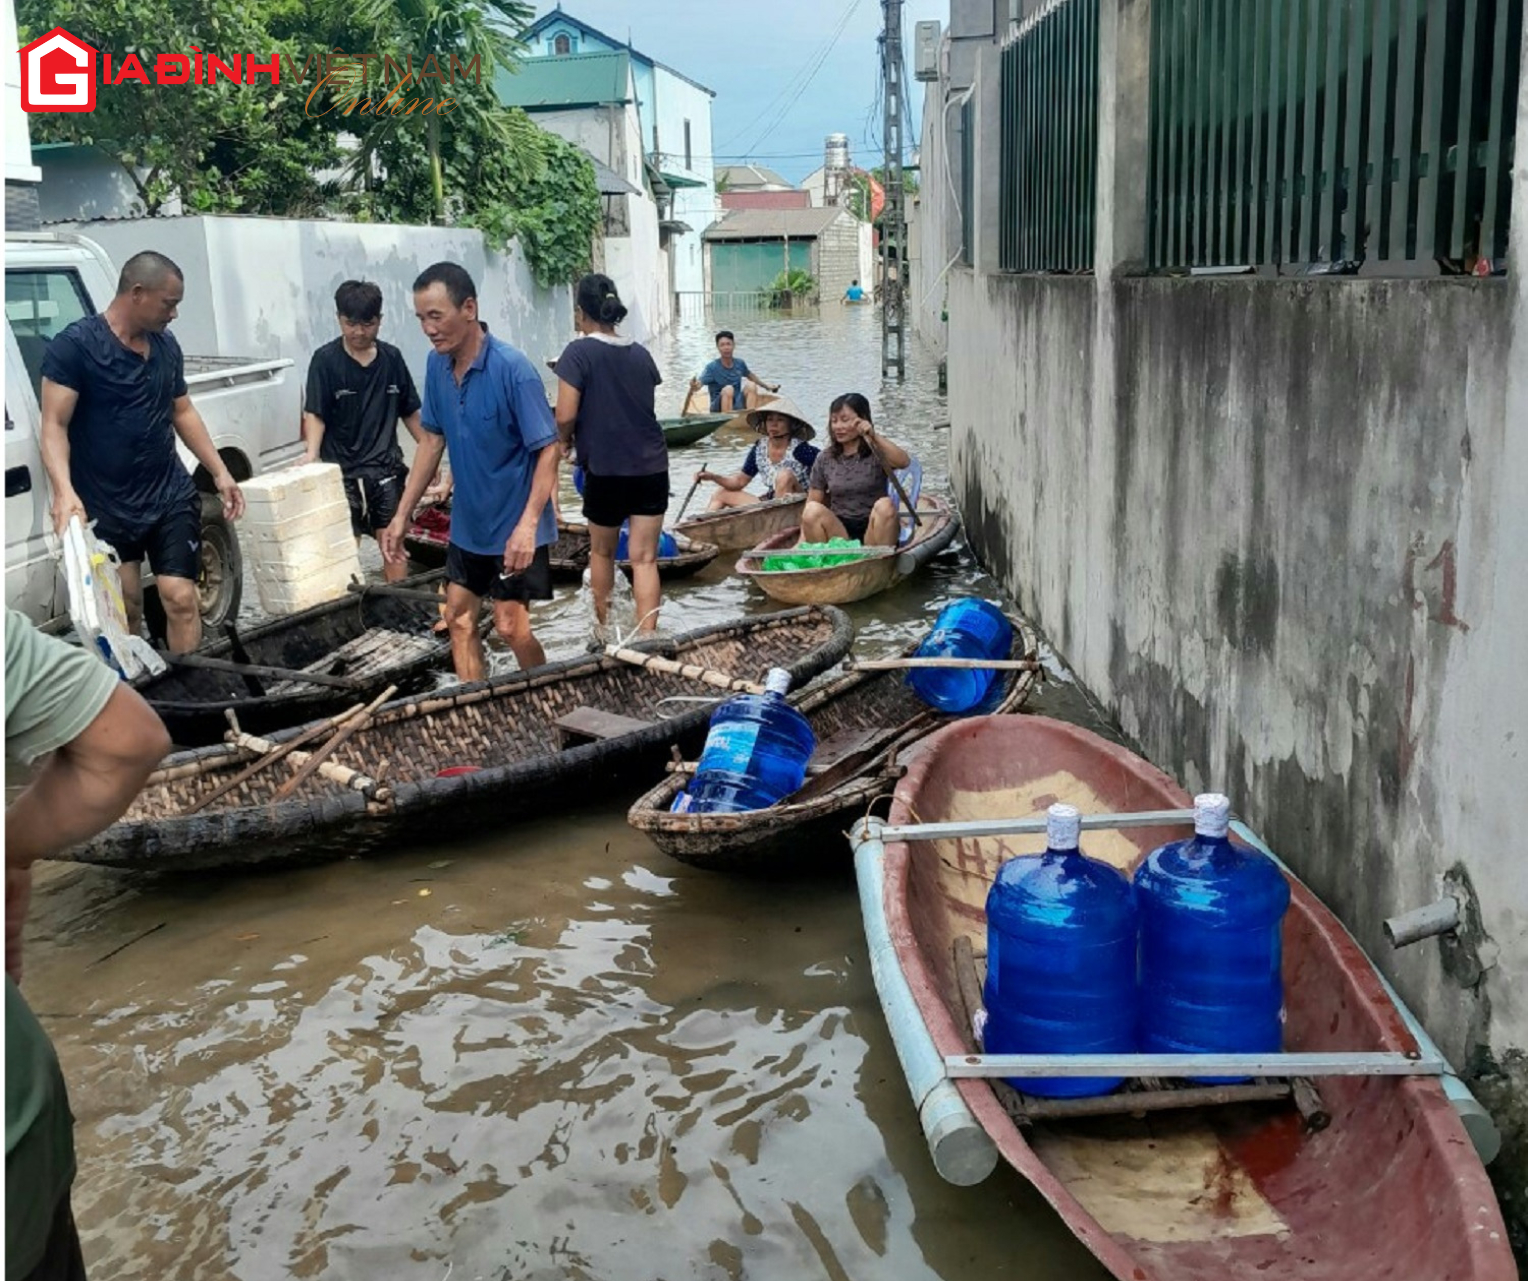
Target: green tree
(220, 146)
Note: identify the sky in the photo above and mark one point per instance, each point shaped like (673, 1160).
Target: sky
(757, 57)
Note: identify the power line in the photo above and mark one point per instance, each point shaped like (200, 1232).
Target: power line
(812, 75)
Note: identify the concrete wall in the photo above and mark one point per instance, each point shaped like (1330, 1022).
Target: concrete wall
(18, 127)
(233, 309)
(836, 257)
(676, 101)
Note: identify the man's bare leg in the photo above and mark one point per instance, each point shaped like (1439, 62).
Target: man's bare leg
(512, 621)
(182, 612)
(462, 609)
(391, 573)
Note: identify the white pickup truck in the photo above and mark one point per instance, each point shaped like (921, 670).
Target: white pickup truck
(251, 409)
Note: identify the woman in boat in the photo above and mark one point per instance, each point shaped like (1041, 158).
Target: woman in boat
(606, 387)
(780, 458)
(846, 492)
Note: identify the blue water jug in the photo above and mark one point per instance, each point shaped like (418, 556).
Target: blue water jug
(967, 628)
(756, 752)
(1211, 954)
(578, 479)
(1061, 939)
(667, 546)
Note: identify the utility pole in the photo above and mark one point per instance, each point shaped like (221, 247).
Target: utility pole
(894, 216)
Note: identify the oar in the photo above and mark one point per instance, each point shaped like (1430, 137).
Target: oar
(961, 664)
(892, 477)
(655, 663)
(250, 670)
(684, 505)
(279, 752)
(319, 758)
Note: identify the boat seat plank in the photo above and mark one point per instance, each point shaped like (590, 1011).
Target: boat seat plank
(588, 724)
(837, 746)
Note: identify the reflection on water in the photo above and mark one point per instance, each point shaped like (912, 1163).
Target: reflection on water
(549, 1054)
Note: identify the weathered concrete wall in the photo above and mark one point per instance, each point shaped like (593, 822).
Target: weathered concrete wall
(836, 258)
(264, 287)
(1279, 527)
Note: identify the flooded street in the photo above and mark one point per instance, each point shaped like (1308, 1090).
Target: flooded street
(550, 1053)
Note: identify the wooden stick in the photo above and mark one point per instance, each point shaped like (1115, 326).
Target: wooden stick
(1308, 1100)
(685, 505)
(959, 664)
(270, 758)
(169, 773)
(341, 774)
(259, 669)
(1128, 1102)
(895, 482)
(657, 664)
(397, 593)
(312, 764)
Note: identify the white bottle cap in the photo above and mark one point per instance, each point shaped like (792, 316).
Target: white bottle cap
(1063, 827)
(778, 681)
(1212, 814)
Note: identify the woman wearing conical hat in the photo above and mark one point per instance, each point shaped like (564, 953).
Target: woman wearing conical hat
(781, 459)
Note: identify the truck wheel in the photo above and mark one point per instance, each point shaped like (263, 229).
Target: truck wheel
(220, 578)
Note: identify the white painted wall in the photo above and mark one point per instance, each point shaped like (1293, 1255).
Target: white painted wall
(675, 101)
(264, 287)
(18, 144)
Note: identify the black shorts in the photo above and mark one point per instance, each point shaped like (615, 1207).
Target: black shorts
(172, 541)
(373, 498)
(610, 500)
(855, 528)
(484, 575)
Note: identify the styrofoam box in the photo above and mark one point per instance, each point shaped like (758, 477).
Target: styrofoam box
(266, 521)
(297, 550)
(284, 592)
(293, 492)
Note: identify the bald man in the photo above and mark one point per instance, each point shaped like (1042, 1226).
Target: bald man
(114, 399)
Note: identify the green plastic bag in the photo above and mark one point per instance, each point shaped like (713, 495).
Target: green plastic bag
(836, 551)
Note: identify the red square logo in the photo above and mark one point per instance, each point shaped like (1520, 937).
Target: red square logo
(58, 73)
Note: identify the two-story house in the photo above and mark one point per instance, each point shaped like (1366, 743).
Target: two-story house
(673, 126)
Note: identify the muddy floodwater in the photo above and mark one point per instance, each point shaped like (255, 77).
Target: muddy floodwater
(548, 1053)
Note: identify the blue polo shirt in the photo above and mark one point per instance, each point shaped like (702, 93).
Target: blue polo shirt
(716, 375)
(495, 421)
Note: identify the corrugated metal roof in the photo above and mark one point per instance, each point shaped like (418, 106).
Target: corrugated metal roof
(774, 224)
(751, 178)
(608, 181)
(577, 80)
(766, 199)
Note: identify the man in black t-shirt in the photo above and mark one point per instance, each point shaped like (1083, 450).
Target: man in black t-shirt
(358, 389)
(114, 402)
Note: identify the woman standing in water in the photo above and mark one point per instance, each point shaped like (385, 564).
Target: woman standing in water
(606, 388)
(846, 495)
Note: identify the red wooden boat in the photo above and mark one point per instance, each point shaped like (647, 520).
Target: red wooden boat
(1392, 1187)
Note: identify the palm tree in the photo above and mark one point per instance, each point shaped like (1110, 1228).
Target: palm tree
(485, 31)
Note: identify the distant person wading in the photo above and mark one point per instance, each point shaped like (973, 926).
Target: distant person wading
(606, 389)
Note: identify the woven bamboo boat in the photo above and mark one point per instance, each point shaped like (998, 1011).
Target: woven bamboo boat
(570, 555)
(1378, 1179)
(692, 428)
(858, 579)
(429, 535)
(863, 721)
(698, 405)
(369, 640)
(466, 759)
(735, 529)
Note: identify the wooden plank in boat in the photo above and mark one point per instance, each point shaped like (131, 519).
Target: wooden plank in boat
(586, 724)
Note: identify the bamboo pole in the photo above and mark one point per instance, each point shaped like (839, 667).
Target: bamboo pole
(958, 664)
(341, 774)
(260, 669)
(281, 751)
(655, 663)
(190, 769)
(318, 759)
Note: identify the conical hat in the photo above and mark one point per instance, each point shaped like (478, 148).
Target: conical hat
(801, 428)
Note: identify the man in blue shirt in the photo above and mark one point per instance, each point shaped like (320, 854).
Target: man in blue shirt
(724, 378)
(853, 293)
(484, 401)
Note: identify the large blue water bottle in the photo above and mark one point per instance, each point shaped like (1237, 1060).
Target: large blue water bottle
(968, 628)
(667, 546)
(1211, 955)
(756, 752)
(1061, 940)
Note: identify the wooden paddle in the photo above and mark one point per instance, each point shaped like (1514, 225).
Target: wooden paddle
(684, 505)
(315, 761)
(895, 482)
(250, 670)
(655, 663)
(279, 752)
